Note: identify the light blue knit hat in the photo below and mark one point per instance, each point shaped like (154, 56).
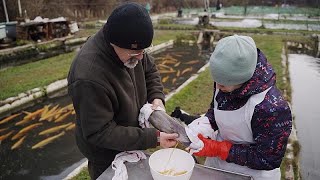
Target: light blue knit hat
(234, 60)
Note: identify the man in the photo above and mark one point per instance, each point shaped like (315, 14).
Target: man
(252, 119)
(110, 79)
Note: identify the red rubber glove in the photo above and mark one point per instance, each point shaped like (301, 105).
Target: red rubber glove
(214, 148)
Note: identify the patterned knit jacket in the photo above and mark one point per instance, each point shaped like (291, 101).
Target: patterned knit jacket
(271, 122)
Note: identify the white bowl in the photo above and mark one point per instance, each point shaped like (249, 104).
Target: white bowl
(180, 161)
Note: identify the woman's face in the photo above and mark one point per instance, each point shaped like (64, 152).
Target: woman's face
(228, 88)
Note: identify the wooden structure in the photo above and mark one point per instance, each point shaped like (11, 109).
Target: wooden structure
(42, 31)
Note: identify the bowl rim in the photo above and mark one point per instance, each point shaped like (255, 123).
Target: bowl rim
(191, 170)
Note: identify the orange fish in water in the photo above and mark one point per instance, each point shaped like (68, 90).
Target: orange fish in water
(166, 71)
(177, 64)
(7, 119)
(29, 117)
(186, 70)
(61, 118)
(54, 129)
(72, 126)
(50, 114)
(47, 141)
(192, 62)
(18, 143)
(3, 129)
(165, 79)
(25, 130)
(3, 137)
(178, 73)
(174, 80)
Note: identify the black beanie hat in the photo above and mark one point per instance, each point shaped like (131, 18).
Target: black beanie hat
(130, 27)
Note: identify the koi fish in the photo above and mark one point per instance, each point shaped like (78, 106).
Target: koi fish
(54, 129)
(165, 79)
(25, 130)
(29, 117)
(72, 126)
(47, 141)
(61, 118)
(7, 119)
(177, 64)
(3, 129)
(166, 71)
(18, 143)
(50, 114)
(186, 70)
(3, 137)
(178, 73)
(174, 80)
(164, 66)
(192, 62)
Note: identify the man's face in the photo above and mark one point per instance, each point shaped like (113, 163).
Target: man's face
(130, 58)
(227, 88)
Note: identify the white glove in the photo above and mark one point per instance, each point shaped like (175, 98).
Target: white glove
(199, 126)
(202, 126)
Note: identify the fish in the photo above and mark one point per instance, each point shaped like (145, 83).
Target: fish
(164, 66)
(3, 137)
(178, 73)
(174, 80)
(3, 129)
(61, 118)
(29, 117)
(192, 62)
(54, 129)
(50, 114)
(177, 64)
(72, 126)
(186, 70)
(7, 119)
(18, 143)
(47, 141)
(45, 110)
(165, 79)
(166, 71)
(25, 130)
(165, 123)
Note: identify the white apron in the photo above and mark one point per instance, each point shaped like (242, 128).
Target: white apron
(235, 126)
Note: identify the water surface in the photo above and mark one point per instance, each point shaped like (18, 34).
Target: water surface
(305, 82)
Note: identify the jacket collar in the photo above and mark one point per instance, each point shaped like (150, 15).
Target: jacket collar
(104, 46)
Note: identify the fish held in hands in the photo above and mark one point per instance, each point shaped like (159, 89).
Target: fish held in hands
(165, 123)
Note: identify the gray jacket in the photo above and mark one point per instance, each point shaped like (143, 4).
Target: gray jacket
(107, 98)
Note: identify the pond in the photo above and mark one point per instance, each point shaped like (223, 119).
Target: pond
(305, 82)
(33, 150)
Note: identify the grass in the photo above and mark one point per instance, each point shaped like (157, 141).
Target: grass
(83, 175)
(18, 79)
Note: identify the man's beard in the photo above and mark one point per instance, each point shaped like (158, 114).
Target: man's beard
(131, 63)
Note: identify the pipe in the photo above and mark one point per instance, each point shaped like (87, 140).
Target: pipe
(5, 10)
(19, 5)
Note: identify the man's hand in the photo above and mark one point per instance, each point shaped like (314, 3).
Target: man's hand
(168, 140)
(156, 103)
